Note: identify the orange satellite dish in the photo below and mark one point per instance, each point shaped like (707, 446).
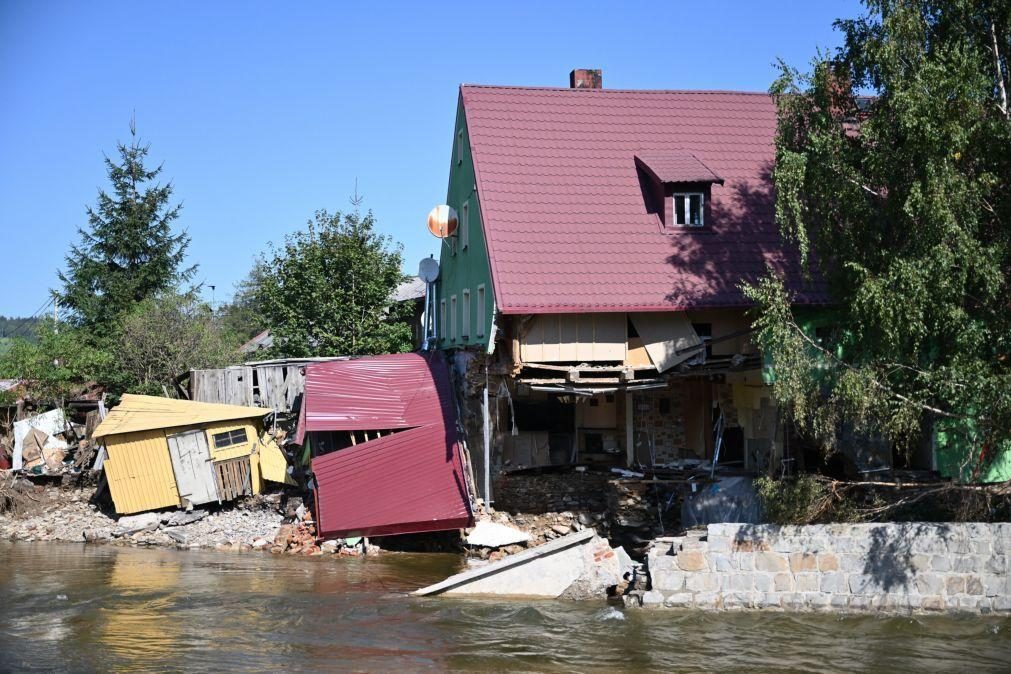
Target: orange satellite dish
(442, 221)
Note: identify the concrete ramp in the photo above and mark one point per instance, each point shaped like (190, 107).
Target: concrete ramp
(578, 566)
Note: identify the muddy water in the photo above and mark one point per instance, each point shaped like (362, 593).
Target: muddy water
(93, 608)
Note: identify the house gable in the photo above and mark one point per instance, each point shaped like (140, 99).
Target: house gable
(463, 261)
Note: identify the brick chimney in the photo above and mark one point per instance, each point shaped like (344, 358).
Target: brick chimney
(582, 78)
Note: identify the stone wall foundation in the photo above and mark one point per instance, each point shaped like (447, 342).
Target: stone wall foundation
(895, 568)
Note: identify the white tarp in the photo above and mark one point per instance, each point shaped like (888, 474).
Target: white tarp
(664, 334)
(50, 423)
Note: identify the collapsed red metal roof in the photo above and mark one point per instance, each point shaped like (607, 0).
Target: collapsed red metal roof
(565, 222)
(409, 482)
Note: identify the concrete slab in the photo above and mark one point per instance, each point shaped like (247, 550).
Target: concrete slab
(488, 534)
(577, 565)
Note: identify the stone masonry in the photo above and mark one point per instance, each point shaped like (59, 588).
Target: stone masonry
(896, 568)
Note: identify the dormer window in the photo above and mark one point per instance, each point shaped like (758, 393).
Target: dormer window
(676, 187)
(689, 209)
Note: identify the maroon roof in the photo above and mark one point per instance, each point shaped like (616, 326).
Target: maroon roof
(564, 213)
(676, 167)
(407, 482)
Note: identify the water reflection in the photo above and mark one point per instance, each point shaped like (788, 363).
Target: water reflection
(144, 610)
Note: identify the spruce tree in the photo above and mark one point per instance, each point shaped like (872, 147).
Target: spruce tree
(128, 251)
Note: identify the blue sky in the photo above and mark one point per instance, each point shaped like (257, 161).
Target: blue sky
(263, 112)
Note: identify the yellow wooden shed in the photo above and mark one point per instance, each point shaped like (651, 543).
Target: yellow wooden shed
(162, 452)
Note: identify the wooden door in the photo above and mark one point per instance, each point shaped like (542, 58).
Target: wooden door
(698, 417)
(191, 462)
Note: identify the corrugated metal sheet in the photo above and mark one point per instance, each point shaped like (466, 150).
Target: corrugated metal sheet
(139, 472)
(408, 482)
(142, 413)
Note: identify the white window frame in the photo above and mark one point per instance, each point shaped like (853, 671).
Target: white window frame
(480, 310)
(452, 318)
(686, 196)
(442, 319)
(465, 225)
(465, 315)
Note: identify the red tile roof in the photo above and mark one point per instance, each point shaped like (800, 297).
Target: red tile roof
(408, 482)
(565, 219)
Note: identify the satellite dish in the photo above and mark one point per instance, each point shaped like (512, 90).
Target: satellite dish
(428, 270)
(442, 221)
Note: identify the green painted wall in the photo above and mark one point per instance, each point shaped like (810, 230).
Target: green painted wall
(956, 443)
(462, 268)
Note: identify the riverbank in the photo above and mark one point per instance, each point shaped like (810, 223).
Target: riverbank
(71, 516)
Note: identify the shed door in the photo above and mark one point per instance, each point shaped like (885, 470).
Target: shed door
(191, 461)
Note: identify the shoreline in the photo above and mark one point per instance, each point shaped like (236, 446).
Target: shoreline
(251, 525)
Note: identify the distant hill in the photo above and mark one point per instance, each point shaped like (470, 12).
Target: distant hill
(15, 326)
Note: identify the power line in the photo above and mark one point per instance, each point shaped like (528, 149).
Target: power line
(21, 324)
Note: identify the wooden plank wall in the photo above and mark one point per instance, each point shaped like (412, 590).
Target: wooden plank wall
(575, 338)
(234, 478)
(277, 386)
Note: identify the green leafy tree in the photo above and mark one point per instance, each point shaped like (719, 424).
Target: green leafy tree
(167, 335)
(893, 177)
(57, 363)
(240, 316)
(128, 251)
(327, 291)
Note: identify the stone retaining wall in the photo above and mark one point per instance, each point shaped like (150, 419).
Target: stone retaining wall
(551, 492)
(905, 567)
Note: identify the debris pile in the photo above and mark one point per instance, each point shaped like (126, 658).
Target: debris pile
(499, 534)
(49, 444)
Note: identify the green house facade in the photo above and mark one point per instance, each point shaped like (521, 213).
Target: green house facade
(465, 304)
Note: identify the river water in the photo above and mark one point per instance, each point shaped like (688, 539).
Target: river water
(99, 608)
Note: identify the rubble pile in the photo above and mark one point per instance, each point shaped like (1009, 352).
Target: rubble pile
(49, 444)
(635, 509)
(530, 531)
(256, 523)
(71, 516)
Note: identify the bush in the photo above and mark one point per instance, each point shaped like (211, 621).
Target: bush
(798, 500)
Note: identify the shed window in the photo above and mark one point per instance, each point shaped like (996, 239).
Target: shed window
(452, 318)
(465, 322)
(465, 226)
(230, 438)
(688, 209)
(480, 311)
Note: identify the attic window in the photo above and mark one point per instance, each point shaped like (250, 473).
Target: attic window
(676, 186)
(689, 209)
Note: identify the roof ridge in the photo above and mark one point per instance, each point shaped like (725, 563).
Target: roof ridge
(513, 87)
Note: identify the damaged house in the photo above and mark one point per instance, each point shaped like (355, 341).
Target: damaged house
(385, 452)
(590, 294)
(162, 453)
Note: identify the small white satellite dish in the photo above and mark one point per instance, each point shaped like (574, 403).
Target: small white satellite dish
(428, 270)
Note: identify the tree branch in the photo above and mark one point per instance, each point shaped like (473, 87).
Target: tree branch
(1003, 107)
(877, 384)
